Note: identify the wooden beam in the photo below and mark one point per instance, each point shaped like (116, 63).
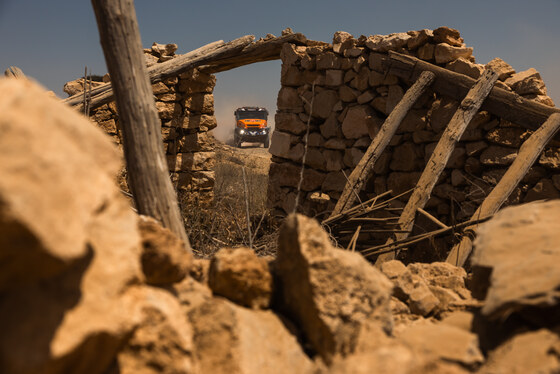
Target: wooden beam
(500, 102)
(451, 135)
(528, 153)
(211, 58)
(364, 169)
(203, 56)
(260, 51)
(141, 128)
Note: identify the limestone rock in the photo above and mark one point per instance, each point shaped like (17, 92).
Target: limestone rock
(334, 78)
(35, 182)
(393, 269)
(444, 341)
(384, 43)
(495, 156)
(394, 96)
(508, 136)
(162, 342)
(229, 339)
(407, 157)
(332, 294)
(530, 352)
(352, 157)
(331, 127)
(445, 53)
(280, 144)
(527, 82)
(339, 38)
(550, 158)
(200, 103)
(501, 67)
(289, 100)
(289, 122)
(400, 182)
(196, 121)
(448, 35)
(543, 99)
(164, 49)
(69, 245)
(242, 277)
(427, 52)
(360, 121)
(543, 190)
(441, 112)
(324, 103)
(328, 60)
(196, 161)
(348, 94)
(287, 174)
(414, 291)
(464, 66)
(164, 257)
(168, 111)
(195, 81)
(500, 250)
(420, 38)
(76, 86)
(443, 274)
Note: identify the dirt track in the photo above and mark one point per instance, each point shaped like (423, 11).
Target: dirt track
(250, 155)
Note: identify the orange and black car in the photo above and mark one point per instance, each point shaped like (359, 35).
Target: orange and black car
(251, 125)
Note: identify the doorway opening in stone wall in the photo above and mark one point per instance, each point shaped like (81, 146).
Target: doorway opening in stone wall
(238, 214)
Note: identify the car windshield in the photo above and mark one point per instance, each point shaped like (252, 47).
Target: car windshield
(251, 115)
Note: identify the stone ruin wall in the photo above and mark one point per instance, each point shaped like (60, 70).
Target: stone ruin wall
(351, 101)
(185, 106)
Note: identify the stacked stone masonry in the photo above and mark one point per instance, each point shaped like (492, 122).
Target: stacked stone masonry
(185, 106)
(336, 91)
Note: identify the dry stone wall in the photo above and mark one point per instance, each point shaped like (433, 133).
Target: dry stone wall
(185, 106)
(336, 92)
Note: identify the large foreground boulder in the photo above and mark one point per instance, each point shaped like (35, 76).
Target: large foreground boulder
(71, 291)
(52, 161)
(332, 294)
(516, 259)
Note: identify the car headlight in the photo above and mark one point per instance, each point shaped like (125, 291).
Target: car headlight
(241, 132)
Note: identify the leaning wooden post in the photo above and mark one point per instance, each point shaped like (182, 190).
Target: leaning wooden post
(363, 170)
(453, 132)
(528, 153)
(141, 128)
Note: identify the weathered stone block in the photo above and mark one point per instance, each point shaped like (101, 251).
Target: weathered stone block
(445, 53)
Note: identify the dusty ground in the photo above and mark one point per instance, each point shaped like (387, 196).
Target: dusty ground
(251, 155)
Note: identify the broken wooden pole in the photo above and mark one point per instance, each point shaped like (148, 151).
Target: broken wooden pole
(502, 103)
(213, 52)
(451, 135)
(141, 128)
(528, 153)
(363, 170)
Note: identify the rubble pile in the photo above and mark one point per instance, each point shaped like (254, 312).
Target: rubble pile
(88, 286)
(185, 105)
(339, 93)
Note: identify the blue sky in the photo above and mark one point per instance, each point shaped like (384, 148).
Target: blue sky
(53, 40)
